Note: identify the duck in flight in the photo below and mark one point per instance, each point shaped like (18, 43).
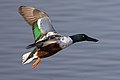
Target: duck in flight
(47, 41)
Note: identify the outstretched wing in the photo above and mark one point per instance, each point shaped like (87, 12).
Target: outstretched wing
(39, 21)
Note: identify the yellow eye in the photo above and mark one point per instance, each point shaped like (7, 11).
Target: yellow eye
(83, 36)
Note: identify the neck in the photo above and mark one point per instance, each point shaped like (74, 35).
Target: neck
(75, 38)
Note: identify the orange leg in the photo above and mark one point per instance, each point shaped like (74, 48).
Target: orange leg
(35, 63)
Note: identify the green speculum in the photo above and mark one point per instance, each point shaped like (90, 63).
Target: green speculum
(36, 31)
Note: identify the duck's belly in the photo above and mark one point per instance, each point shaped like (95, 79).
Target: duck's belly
(52, 47)
(49, 50)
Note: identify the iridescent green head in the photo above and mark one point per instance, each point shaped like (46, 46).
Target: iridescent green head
(82, 37)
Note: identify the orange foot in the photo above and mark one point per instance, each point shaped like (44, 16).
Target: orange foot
(35, 63)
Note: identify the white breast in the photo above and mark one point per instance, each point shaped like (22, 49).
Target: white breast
(65, 42)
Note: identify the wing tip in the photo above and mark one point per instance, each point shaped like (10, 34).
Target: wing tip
(20, 8)
(31, 14)
(30, 46)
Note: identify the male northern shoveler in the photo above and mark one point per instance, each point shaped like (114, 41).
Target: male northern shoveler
(47, 40)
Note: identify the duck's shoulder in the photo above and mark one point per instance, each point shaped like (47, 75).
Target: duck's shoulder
(59, 39)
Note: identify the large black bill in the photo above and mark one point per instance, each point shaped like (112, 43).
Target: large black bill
(92, 39)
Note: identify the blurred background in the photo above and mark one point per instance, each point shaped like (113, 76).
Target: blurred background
(82, 61)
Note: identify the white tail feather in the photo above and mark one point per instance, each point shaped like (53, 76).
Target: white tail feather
(25, 57)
